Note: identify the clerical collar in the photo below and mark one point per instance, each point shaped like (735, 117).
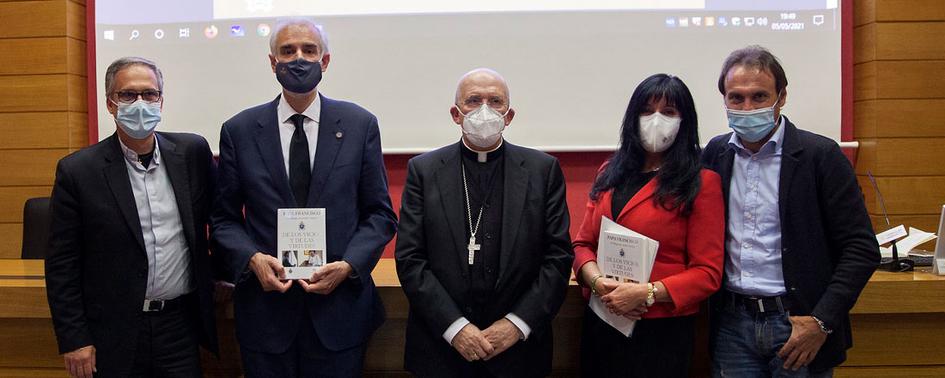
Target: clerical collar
(483, 156)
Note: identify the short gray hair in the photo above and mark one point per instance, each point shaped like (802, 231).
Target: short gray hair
(298, 21)
(128, 61)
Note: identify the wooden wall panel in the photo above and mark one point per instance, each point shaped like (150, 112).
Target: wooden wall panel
(75, 57)
(910, 40)
(35, 93)
(899, 118)
(864, 43)
(33, 19)
(13, 198)
(24, 56)
(78, 97)
(918, 339)
(899, 90)
(899, 79)
(864, 12)
(901, 157)
(78, 131)
(29, 167)
(11, 240)
(907, 10)
(935, 371)
(905, 195)
(75, 20)
(899, 41)
(41, 352)
(864, 79)
(36, 130)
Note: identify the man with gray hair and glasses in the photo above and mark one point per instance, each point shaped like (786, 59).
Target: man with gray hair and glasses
(302, 150)
(128, 276)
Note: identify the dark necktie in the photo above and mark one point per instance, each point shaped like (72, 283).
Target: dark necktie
(300, 170)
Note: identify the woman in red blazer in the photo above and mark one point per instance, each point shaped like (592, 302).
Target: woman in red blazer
(654, 185)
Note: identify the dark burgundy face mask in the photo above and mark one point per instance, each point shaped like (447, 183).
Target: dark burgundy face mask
(300, 75)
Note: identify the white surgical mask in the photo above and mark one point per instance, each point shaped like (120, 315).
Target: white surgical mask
(483, 126)
(658, 131)
(138, 119)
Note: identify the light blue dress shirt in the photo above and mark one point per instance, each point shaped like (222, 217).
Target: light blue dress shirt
(753, 232)
(169, 273)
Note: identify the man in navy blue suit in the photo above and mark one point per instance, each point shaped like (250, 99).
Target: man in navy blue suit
(302, 150)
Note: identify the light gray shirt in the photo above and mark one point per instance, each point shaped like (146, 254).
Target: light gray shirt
(169, 274)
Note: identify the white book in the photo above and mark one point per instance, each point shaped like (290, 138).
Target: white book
(301, 241)
(625, 256)
(938, 262)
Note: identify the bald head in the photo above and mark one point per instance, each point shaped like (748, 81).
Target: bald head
(481, 79)
(481, 86)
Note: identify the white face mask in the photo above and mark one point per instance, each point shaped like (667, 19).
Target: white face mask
(658, 131)
(483, 126)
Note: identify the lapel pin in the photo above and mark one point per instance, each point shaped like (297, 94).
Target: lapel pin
(339, 134)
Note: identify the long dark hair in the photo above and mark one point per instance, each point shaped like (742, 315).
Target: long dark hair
(678, 178)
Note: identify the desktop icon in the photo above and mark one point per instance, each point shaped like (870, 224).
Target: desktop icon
(749, 21)
(696, 21)
(684, 22)
(211, 31)
(237, 31)
(736, 21)
(670, 22)
(709, 21)
(723, 21)
(263, 30)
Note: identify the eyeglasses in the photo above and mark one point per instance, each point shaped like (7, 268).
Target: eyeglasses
(477, 101)
(128, 97)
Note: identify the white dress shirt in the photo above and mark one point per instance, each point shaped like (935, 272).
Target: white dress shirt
(310, 125)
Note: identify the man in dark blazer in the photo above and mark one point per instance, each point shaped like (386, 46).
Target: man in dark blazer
(128, 276)
(799, 243)
(483, 251)
(308, 151)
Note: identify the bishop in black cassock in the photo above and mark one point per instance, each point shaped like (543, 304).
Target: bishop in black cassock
(483, 251)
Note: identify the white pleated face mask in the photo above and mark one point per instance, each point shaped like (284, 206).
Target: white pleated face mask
(658, 131)
(483, 127)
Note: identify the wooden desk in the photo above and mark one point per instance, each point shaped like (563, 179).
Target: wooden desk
(899, 327)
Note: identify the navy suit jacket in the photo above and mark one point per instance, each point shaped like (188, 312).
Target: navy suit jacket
(828, 249)
(348, 180)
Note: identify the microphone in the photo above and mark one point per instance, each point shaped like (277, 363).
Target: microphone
(896, 264)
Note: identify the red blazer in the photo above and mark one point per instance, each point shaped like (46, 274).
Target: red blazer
(690, 256)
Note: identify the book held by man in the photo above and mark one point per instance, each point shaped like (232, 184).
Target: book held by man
(300, 241)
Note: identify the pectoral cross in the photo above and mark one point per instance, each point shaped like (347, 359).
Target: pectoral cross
(472, 247)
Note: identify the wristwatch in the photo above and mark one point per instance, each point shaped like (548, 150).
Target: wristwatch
(594, 284)
(823, 327)
(651, 290)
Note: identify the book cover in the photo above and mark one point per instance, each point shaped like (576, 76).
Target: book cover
(301, 241)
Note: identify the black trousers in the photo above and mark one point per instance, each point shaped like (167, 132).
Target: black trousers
(657, 348)
(167, 344)
(306, 357)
